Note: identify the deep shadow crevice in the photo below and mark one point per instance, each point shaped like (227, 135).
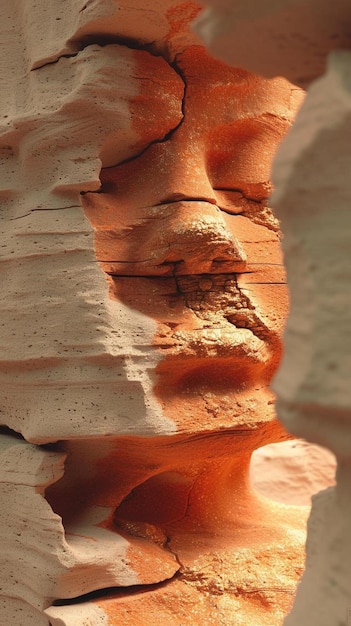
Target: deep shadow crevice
(114, 592)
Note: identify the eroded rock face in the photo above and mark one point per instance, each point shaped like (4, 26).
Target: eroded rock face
(311, 198)
(142, 313)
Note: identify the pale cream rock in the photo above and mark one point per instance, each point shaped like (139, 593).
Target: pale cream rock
(49, 31)
(292, 471)
(43, 560)
(71, 351)
(74, 354)
(31, 532)
(323, 596)
(55, 142)
(289, 38)
(17, 612)
(312, 199)
(85, 614)
(70, 347)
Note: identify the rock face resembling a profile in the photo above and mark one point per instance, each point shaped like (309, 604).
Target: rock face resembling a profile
(143, 301)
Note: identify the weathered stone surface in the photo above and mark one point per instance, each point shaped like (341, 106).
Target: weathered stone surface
(62, 326)
(44, 560)
(31, 532)
(323, 596)
(70, 354)
(142, 310)
(182, 239)
(233, 589)
(289, 38)
(292, 471)
(103, 544)
(113, 82)
(15, 611)
(49, 31)
(71, 350)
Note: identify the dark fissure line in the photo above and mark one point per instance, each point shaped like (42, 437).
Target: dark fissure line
(115, 592)
(60, 208)
(103, 41)
(131, 44)
(169, 133)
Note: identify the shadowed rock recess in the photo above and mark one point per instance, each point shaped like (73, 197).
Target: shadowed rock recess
(142, 306)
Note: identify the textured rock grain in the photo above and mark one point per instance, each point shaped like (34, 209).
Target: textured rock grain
(141, 311)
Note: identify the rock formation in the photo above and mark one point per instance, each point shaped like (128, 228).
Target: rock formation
(143, 299)
(292, 471)
(311, 198)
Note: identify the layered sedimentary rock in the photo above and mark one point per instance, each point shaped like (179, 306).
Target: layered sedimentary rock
(142, 307)
(311, 198)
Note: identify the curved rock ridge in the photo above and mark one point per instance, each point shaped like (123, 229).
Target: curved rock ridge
(163, 25)
(66, 335)
(113, 83)
(76, 615)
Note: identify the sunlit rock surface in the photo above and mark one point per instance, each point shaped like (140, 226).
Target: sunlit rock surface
(143, 302)
(292, 471)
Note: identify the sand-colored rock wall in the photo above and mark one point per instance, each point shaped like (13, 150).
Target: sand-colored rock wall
(142, 307)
